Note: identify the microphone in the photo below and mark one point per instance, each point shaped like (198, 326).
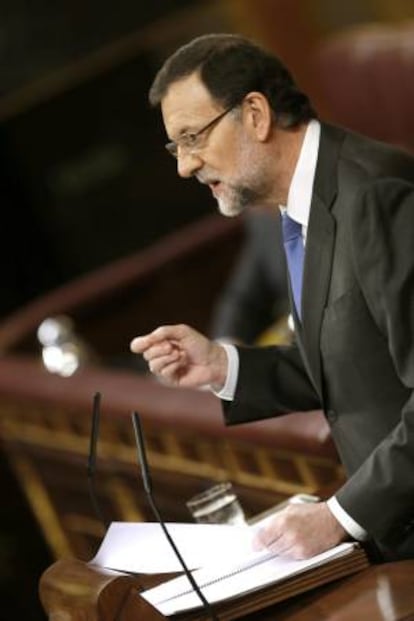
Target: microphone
(146, 479)
(91, 464)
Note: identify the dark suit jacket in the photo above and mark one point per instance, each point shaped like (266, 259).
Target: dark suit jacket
(255, 295)
(355, 348)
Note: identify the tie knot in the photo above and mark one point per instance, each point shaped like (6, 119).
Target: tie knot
(291, 229)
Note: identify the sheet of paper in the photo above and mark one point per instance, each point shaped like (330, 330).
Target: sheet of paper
(177, 595)
(142, 547)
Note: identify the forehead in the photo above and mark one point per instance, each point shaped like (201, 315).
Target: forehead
(187, 104)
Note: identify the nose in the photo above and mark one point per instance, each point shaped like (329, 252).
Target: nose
(188, 164)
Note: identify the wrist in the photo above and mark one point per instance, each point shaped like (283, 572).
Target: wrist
(219, 367)
(350, 526)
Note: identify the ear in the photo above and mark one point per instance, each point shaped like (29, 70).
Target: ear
(258, 115)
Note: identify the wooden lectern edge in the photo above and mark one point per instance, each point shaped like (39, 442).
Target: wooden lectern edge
(72, 590)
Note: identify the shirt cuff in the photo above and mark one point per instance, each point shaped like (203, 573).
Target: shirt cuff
(346, 521)
(229, 388)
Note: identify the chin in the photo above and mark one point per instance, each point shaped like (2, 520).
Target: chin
(230, 211)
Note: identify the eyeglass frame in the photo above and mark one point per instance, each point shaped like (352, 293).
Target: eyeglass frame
(188, 141)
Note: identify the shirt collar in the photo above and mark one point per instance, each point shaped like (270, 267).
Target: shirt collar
(300, 190)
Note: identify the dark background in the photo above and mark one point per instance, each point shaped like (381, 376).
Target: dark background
(81, 152)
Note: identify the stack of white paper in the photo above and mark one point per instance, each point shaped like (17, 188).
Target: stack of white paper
(219, 583)
(141, 547)
(223, 557)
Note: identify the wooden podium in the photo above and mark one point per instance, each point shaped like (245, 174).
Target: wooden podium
(71, 590)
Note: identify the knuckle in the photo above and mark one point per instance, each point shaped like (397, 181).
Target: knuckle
(160, 331)
(283, 520)
(290, 511)
(300, 550)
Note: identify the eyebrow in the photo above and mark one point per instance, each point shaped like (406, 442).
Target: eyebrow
(188, 129)
(183, 132)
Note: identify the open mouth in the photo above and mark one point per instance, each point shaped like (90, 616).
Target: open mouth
(214, 186)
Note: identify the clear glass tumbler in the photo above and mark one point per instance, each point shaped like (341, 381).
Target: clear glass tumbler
(217, 505)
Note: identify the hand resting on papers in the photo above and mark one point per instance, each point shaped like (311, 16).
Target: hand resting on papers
(300, 531)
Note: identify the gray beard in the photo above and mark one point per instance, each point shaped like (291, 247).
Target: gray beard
(241, 198)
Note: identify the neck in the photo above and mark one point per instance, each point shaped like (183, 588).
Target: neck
(287, 146)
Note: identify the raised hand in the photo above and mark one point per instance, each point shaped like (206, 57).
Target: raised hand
(181, 356)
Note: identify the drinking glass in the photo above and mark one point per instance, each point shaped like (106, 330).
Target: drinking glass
(217, 505)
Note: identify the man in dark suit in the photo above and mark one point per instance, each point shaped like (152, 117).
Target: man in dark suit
(241, 126)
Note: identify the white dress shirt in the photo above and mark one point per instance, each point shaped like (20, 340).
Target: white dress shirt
(298, 208)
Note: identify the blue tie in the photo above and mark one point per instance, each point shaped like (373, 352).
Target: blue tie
(293, 242)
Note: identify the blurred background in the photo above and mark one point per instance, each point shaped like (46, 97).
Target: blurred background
(84, 180)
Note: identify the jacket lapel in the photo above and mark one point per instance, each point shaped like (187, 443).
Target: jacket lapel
(319, 250)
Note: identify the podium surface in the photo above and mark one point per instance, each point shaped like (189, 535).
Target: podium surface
(75, 591)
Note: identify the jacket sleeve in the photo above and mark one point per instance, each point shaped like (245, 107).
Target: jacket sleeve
(272, 381)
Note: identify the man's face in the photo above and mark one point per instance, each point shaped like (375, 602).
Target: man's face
(225, 156)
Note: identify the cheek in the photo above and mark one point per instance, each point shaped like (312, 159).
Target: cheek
(237, 163)
(247, 155)
(226, 152)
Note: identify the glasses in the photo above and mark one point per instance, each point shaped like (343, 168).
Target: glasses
(191, 141)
